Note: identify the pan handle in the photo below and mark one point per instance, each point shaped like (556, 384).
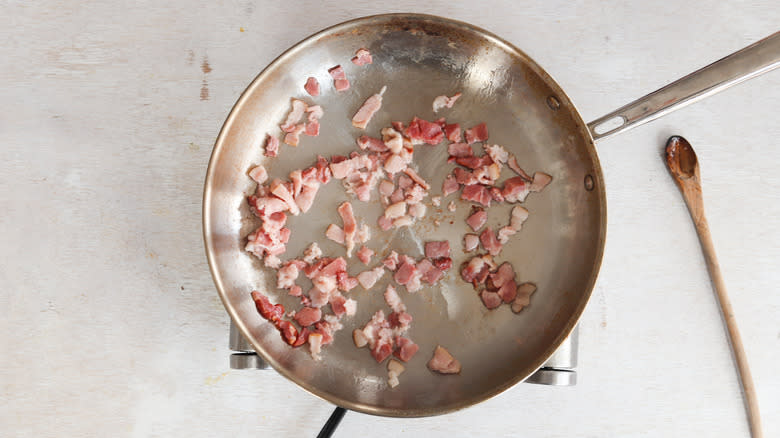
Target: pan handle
(754, 60)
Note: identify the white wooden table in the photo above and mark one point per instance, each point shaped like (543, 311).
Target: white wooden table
(111, 325)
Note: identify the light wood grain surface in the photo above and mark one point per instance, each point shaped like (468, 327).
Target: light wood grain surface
(111, 325)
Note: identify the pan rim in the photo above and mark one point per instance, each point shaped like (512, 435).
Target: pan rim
(363, 407)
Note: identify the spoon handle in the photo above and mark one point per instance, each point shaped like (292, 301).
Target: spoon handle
(703, 230)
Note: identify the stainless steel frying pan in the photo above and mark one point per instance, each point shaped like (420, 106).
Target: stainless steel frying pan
(560, 247)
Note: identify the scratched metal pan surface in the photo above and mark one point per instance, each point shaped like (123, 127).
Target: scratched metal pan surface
(560, 247)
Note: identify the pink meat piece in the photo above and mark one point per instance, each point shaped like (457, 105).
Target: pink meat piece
(405, 348)
(397, 196)
(306, 198)
(391, 261)
(417, 178)
(312, 86)
(539, 182)
(477, 133)
(293, 137)
(384, 223)
(323, 170)
(524, 292)
(313, 269)
(266, 309)
(394, 211)
(443, 362)
(263, 206)
(381, 351)
(474, 162)
(364, 254)
(420, 130)
(443, 263)
(296, 179)
(258, 174)
(441, 102)
(504, 233)
(367, 110)
(496, 194)
(394, 164)
(430, 273)
(452, 132)
(437, 249)
(318, 297)
(271, 145)
(475, 270)
(344, 168)
(312, 129)
(338, 304)
(303, 337)
(424, 266)
(386, 188)
(340, 81)
(399, 321)
(370, 143)
(326, 329)
(490, 242)
(345, 282)
(470, 242)
(405, 273)
(295, 291)
(335, 233)
(515, 189)
(298, 107)
(417, 210)
(504, 273)
(415, 195)
(491, 300)
(372, 328)
(476, 193)
(460, 150)
(308, 316)
(463, 176)
(450, 185)
(497, 153)
(362, 57)
(519, 216)
(350, 226)
(393, 300)
(508, 291)
(368, 278)
(334, 267)
(274, 222)
(477, 219)
(512, 162)
(286, 276)
(261, 243)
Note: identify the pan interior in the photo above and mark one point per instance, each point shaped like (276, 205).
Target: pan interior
(418, 58)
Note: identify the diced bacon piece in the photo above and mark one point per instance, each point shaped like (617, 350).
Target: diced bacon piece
(267, 310)
(450, 185)
(392, 140)
(318, 296)
(260, 243)
(280, 190)
(519, 216)
(417, 178)
(295, 291)
(463, 176)
(370, 143)
(288, 331)
(443, 263)
(436, 201)
(334, 267)
(381, 351)
(420, 130)
(515, 189)
(359, 338)
(326, 329)
(312, 129)
(460, 150)
(394, 164)
(384, 223)
(393, 300)
(286, 276)
(477, 133)
(372, 327)
(368, 278)
(386, 187)
(403, 221)
(391, 261)
(342, 169)
(444, 102)
(417, 211)
(508, 291)
(504, 233)
(512, 162)
(452, 131)
(272, 261)
(477, 219)
(302, 338)
(395, 210)
(394, 369)
(313, 269)
(345, 211)
(524, 292)
(540, 181)
(364, 254)
(474, 162)
(475, 270)
(504, 273)
(430, 273)
(305, 199)
(470, 242)
(293, 137)
(476, 193)
(308, 316)
(315, 113)
(405, 273)
(312, 86)
(403, 258)
(271, 145)
(315, 345)
(312, 253)
(438, 249)
(397, 196)
(399, 321)
(274, 222)
(443, 362)
(491, 300)
(340, 81)
(405, 348)
(345, 282)
(423, 266)
(496, 195)
(415, 195)
(323, 170)
(489, 241)
(362, 57)
(497, 153)
(335, 233)
(259, 174)
(296, 111)
(368, 109)
(337, 304)
(452, 206)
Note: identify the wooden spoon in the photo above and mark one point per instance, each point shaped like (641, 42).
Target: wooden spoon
(684, 167)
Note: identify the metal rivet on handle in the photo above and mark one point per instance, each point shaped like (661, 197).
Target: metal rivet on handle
(553, 103)
(589, 184)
